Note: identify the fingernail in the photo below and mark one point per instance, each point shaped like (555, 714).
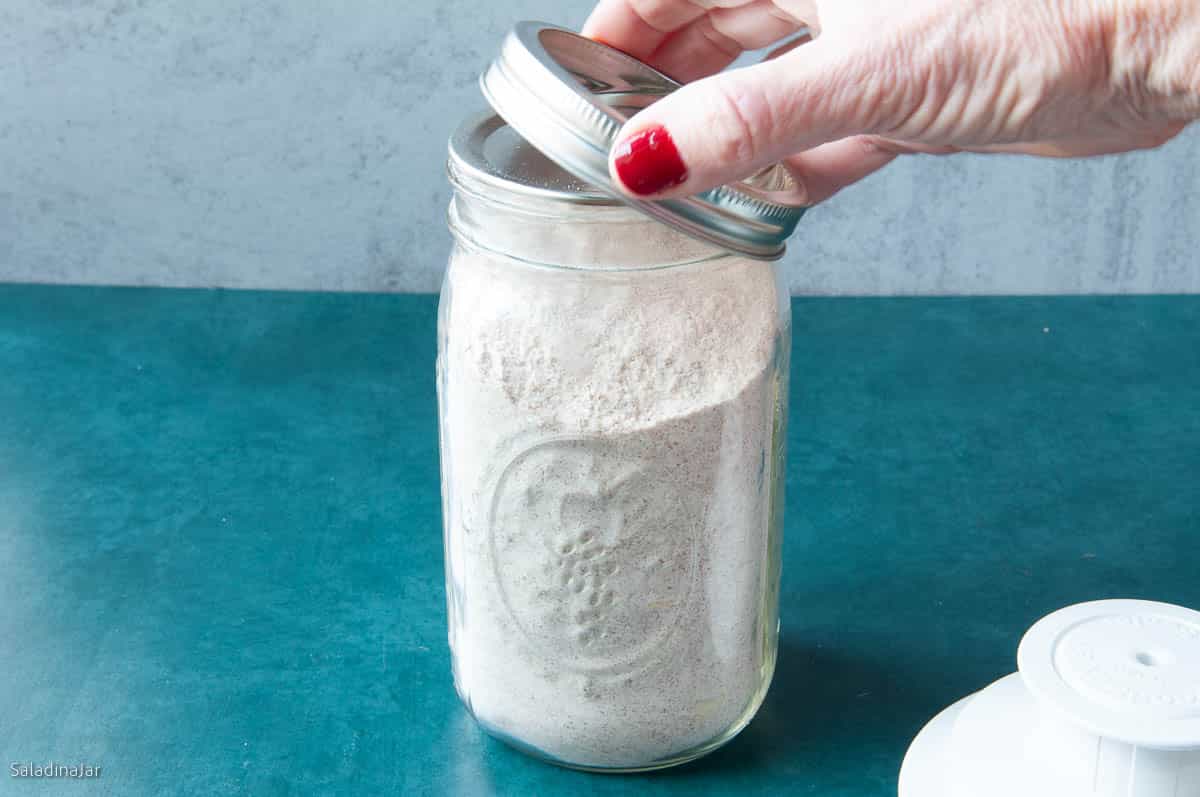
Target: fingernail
(648, 162)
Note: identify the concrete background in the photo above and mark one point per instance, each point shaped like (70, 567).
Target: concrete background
(246, 143)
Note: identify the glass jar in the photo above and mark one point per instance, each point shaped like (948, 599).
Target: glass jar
(613, 400)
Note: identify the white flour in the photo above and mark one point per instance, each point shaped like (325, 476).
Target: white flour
(610, 464)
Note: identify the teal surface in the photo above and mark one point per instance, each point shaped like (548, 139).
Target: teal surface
(220, 545)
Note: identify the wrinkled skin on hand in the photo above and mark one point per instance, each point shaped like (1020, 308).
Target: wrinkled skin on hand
(886, 77)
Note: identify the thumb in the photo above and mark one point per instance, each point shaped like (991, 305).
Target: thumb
(725, 127)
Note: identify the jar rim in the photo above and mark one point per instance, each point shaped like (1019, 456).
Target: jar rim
(464, 239)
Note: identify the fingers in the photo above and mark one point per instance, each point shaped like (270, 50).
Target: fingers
(688, 39)
(710, 43)
(1088, 147)
(824, 170)
(727, 126)
(638, 27)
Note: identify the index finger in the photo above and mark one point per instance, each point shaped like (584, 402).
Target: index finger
(638, 27)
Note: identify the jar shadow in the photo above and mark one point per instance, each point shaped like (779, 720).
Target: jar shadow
(832, 714)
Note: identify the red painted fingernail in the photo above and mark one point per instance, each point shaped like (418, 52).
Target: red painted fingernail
(648, 162)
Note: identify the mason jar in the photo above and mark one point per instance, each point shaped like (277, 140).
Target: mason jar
(613, 400)
(612, 382)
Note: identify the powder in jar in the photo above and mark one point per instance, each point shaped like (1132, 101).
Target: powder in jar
(610, 457)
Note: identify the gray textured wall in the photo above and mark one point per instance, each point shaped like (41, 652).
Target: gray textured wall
(299, 144)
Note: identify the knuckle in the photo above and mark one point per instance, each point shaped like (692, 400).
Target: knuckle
(871, 146)
(726, 45)
(658, 14)
(744, 118)
(1156, 138)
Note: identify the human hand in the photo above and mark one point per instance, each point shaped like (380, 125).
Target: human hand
(881, 78)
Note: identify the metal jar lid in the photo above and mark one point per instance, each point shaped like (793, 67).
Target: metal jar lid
(569, 96)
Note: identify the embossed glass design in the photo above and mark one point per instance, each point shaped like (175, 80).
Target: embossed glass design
(612, 400)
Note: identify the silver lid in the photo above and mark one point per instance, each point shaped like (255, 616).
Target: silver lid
(485, 151)
(569, 96)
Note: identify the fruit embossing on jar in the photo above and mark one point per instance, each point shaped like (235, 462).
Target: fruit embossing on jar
(582, 533)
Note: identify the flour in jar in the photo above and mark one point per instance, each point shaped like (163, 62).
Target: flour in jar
(611, 458)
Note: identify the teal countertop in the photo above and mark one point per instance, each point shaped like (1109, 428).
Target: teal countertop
(220, 542)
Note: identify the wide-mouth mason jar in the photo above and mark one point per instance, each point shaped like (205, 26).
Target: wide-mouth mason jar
(613, 400)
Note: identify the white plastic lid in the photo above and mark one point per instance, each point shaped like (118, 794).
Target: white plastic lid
(1107, 702)
(1122, 669)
